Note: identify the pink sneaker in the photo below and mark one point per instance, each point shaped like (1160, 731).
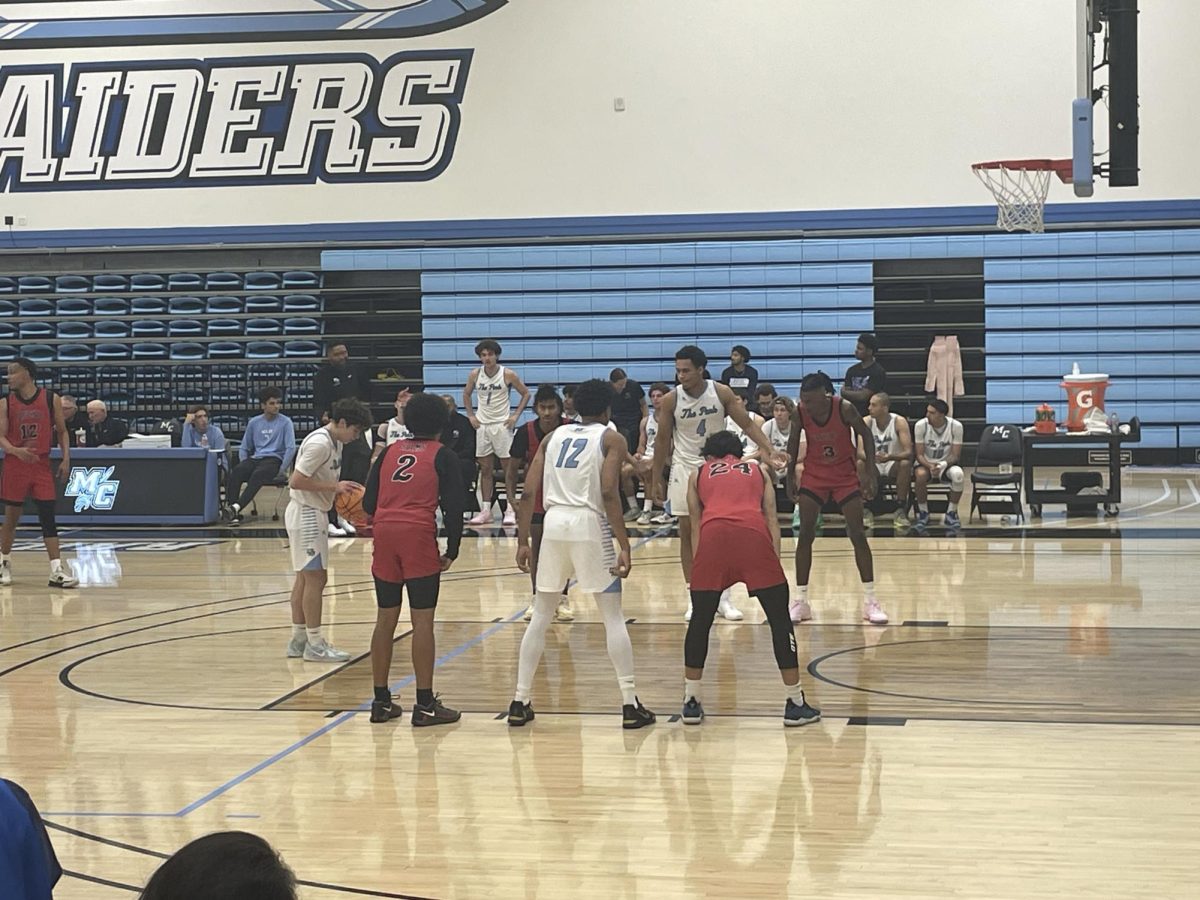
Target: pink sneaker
(874, 614)
(510, 517)
(484, 517)
(800, 611)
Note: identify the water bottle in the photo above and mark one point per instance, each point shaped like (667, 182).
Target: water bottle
(80, 436)
(1112, 423)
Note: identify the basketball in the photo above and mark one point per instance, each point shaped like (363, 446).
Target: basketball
(349, 506)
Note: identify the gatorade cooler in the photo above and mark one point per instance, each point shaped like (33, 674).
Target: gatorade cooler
(1084, 393)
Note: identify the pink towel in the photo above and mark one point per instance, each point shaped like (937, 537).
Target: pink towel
(943, 375)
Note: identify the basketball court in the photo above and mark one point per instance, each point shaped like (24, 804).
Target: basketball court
(1025, 726)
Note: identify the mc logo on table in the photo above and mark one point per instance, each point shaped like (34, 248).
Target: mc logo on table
(92, 488)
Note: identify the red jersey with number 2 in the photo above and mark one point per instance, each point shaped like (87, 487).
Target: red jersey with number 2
(731, 490)
(408, 485)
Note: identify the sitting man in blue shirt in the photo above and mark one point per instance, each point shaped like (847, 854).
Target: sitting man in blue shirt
(199, 432)
(267, 446)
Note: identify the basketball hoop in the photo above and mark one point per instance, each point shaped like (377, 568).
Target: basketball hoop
(1020, 187)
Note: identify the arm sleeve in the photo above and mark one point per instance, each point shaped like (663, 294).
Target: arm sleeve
(246, 447)
(451, 496)
(370, 501)
(188, 438)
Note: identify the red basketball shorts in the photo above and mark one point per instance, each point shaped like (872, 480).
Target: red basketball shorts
(404, 552)
(19, 480)
(730, 553)
(824, 484)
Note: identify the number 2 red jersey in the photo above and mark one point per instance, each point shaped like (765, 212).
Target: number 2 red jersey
(731, 490)
(31, 423)
(409, 484)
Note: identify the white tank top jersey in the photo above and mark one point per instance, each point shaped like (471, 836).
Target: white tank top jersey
(319, 457)
(695, 419)
(492, 393)
(571, 483)
(396, 431)
(937, 444)
(777, 437)
(651, 436)
(885, 440)
(748, 446)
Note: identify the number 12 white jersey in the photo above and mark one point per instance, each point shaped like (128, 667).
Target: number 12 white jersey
(574, 458)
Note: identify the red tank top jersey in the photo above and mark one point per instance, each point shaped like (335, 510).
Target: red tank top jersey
(31, 424)
(408, 484)
(831, 446)
(731, 490)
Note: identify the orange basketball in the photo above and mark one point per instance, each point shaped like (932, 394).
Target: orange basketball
(349, 506)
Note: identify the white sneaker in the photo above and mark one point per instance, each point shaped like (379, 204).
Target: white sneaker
(799, 611)
(663, 519)
(324, 652)
(510, 517)
(874, 614)
(726, 609)
(481, 518)
(632, 514)
(644, 519)
(295, 647)
(63, 579)
(528, 613)
(687, 616)
(564, 613)
(349, 529)
(335, 531)
(5, 574)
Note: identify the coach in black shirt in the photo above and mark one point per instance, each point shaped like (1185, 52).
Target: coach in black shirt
(336, 380)
(628, 407)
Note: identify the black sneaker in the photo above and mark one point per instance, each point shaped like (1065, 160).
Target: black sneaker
(519, 713)
(693, 712)
(436, 713)
(799, 713)
(384, 712)
(636, 716)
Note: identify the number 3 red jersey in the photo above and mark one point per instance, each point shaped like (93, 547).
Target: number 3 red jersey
(31, 423)
(831, 446)
(731, 490)
(409, 484)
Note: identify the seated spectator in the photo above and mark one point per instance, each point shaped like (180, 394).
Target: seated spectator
(779, 430)
(939, 441)
(645, 450)
(104, 430)
(738, 375)
(459, 436)
(629, 408)
(75, 419)
(764, 400)
(893, 451)
(394, 429)
(866, 377)
(198, 431)
(749, 448)
(28, 867)
(227, 865)
(267, 447)
(568, 395)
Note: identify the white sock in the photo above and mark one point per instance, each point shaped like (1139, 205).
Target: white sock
(923, 506)
(313, 635)
(236, 507)
(631, 503)
(691, 689)
(55, 565)
(795, 693)
(620, 650)
(647, 505)
(952, 506)
(868, 591)
(802, 593)
(534, 643)
(298, 633)
(5, 558)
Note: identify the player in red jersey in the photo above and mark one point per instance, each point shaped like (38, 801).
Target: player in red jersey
(549, 408)
(737, 541)
(404, 489)
(829, 425)
(31, 422)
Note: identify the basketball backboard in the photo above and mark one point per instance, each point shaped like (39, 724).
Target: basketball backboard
(51, 23)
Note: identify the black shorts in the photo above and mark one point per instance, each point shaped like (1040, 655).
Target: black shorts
(422, 592)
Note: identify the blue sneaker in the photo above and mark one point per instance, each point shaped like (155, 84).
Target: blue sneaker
(795, 714)
(952, 521)
(693, 712)
(922, 521)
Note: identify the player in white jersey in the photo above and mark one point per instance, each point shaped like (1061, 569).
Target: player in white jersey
(779, 429)
(893, 450)
(579, 468)
(645, 450)
(749, 451)
(939, 441)
(314, 483)
(494, 421)
(696, 408)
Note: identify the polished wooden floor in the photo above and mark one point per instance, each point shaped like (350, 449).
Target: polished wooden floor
(1026, 727)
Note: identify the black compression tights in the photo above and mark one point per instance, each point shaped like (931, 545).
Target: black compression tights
(774, 601)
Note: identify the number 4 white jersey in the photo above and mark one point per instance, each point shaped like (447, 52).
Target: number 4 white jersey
(695, 419)
(574, 458)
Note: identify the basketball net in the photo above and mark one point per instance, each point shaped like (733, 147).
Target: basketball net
(1020, 188)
